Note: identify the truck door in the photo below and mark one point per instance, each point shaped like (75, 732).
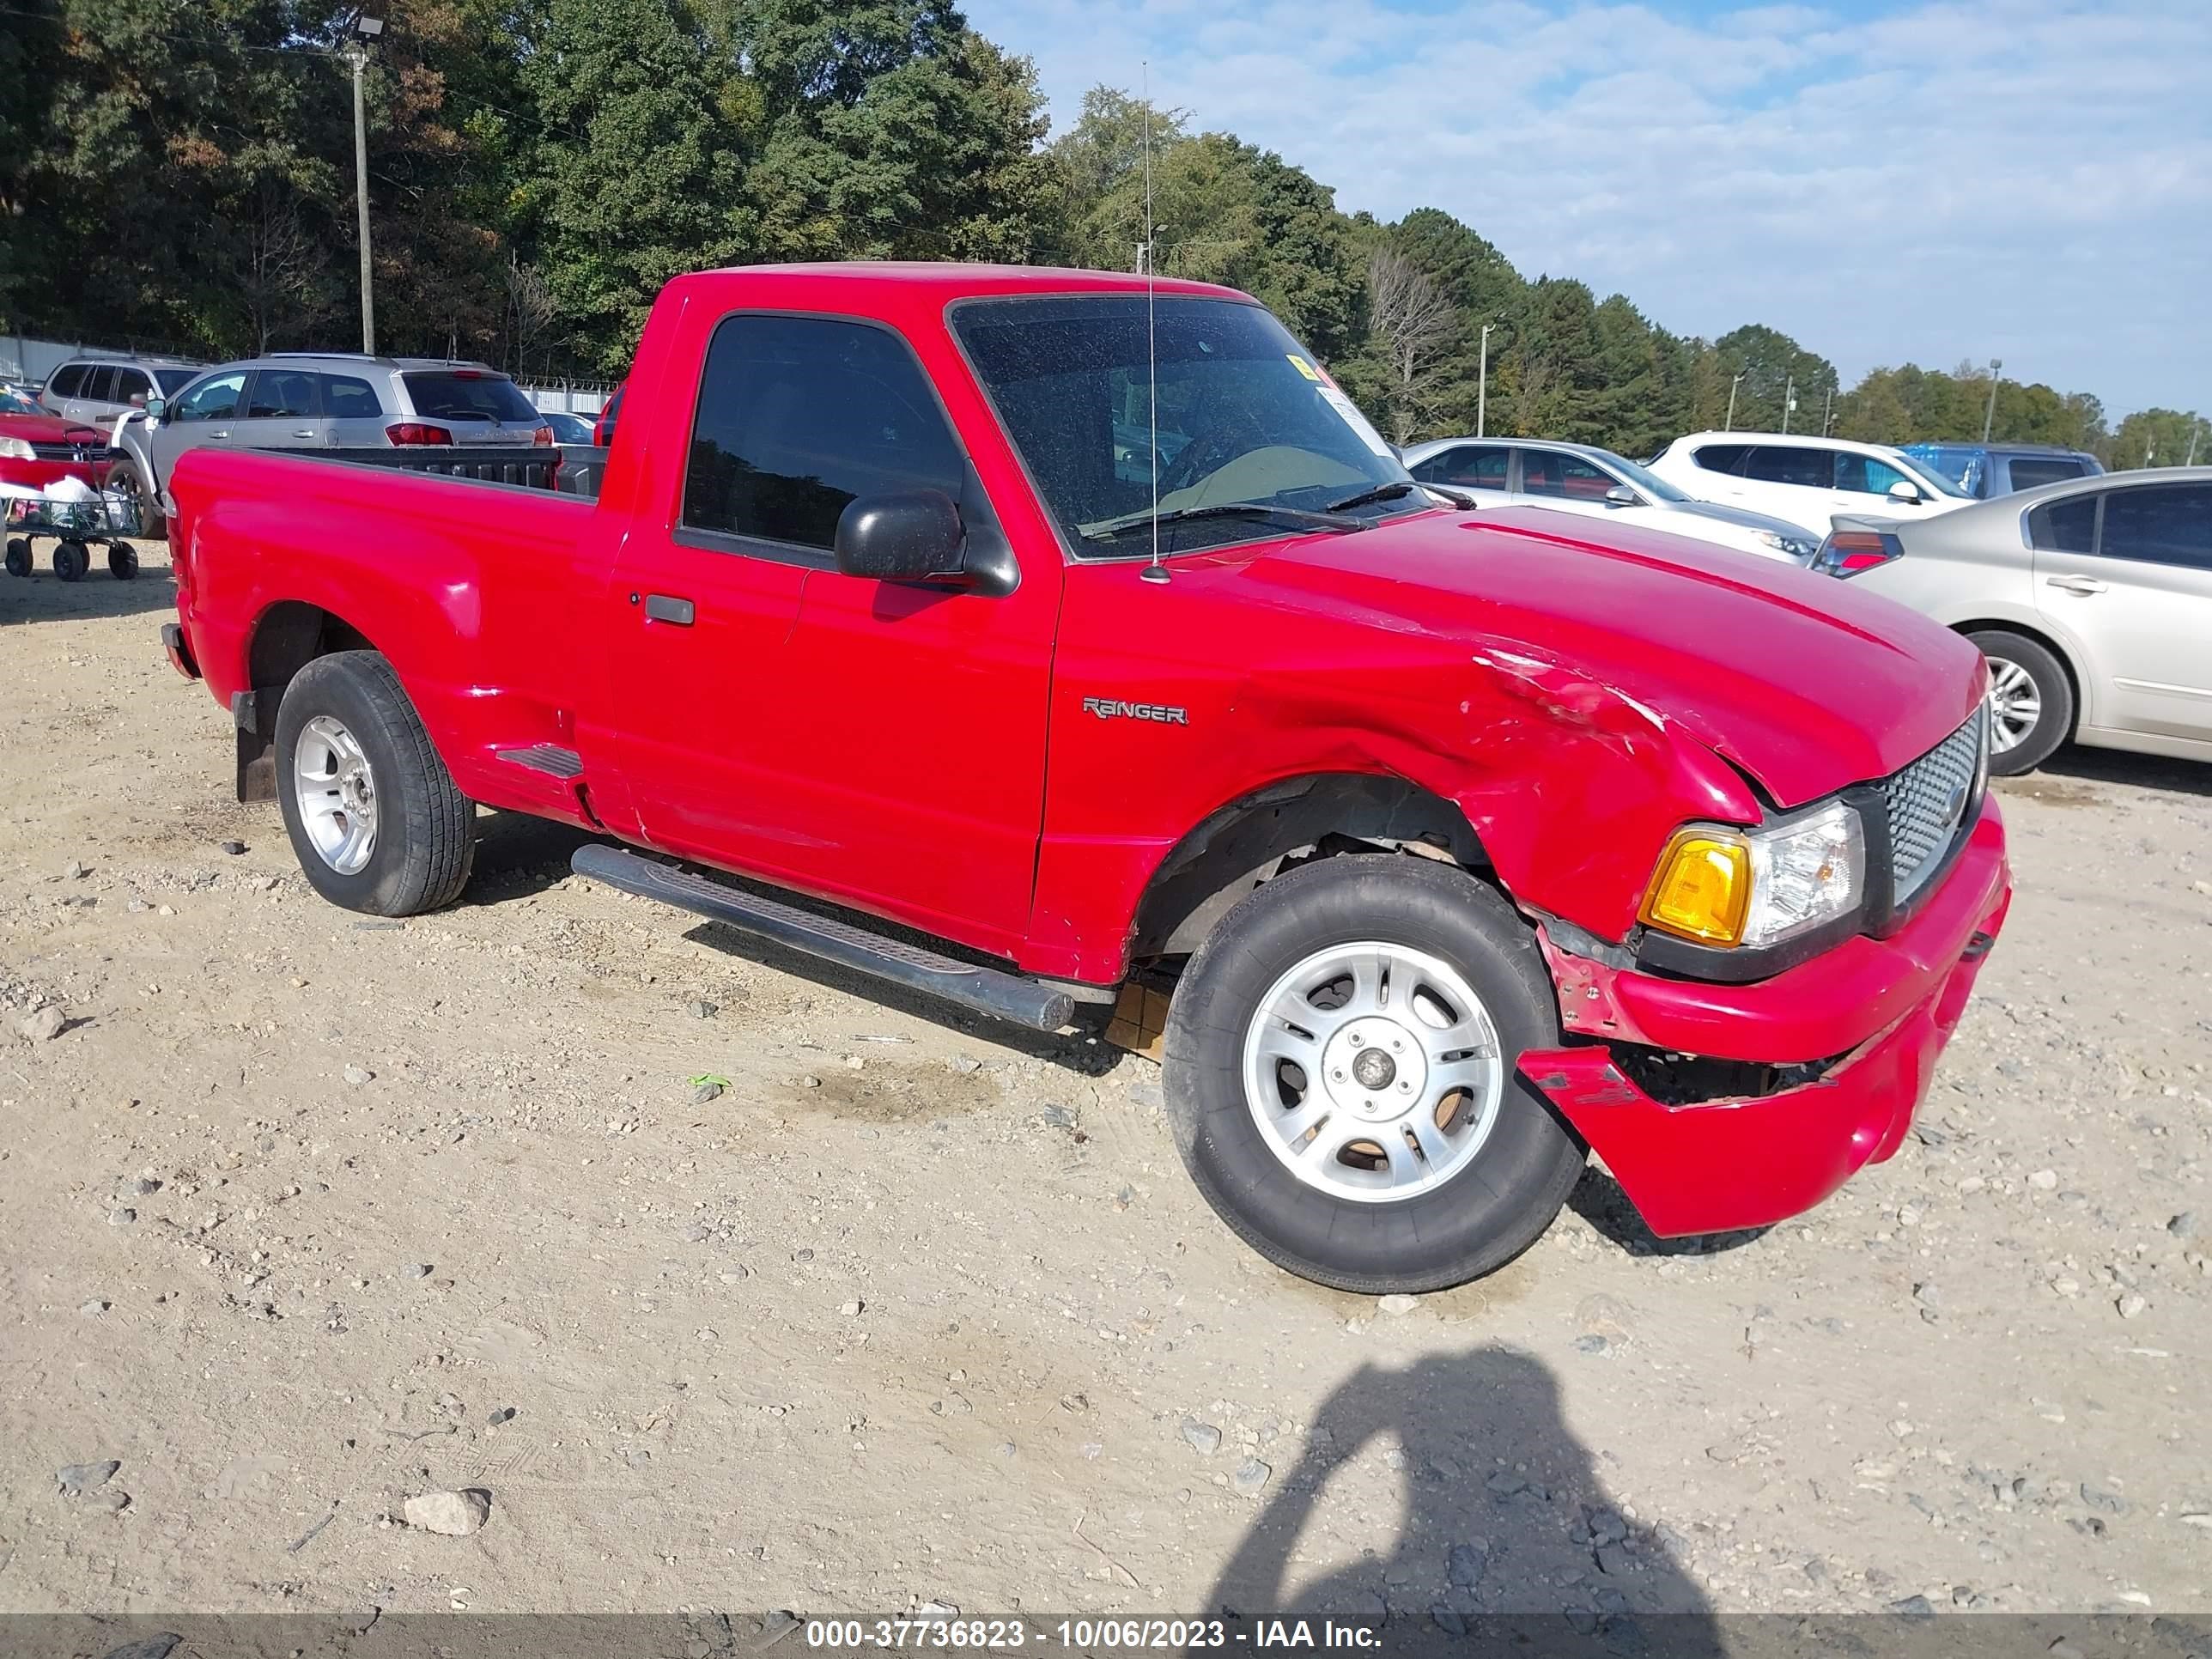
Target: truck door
(876, 742)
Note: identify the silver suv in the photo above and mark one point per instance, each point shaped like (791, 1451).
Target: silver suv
(100, 388)
(322, 400)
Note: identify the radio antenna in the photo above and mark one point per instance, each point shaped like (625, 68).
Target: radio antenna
(1154, 572)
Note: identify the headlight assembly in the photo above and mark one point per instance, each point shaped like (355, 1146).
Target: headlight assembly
(1718, 884)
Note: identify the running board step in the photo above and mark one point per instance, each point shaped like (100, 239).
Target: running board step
(988, 991)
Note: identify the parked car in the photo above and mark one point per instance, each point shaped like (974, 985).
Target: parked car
(322, 400)
(1806, 480)
(1984, 471)
(568, 429)
(38, 447)
(1453, 842)
(2091, 600)
(1598, 484)
(98, 389)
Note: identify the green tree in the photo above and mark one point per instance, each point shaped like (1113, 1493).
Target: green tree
(2158, 437)
(1771, 363)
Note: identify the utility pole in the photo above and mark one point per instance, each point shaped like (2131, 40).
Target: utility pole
(1828, 409)
(1990, 415)
(2195, 431)
(1729, 425)
(1789, 400)
(365, 29)
(1482, 383)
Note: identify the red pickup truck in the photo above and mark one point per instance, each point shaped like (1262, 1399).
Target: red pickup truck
(1087, 627)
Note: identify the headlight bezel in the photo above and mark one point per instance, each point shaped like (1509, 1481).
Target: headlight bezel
(1769, 860)
(17, 449)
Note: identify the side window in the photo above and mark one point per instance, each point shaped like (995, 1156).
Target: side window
(2160, 523)
(131, 385)
(798, 417)
(99, 383)
(1789, 465)
(345, 399)
(1869, 476)
(281, 393)
(214, 399)
(1471, 466)
(2028, 472)
(2067, 526)
(67, 378)
(1722, 458)
(1548, 472)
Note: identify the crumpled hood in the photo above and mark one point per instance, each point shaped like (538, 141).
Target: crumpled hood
(1806, 683)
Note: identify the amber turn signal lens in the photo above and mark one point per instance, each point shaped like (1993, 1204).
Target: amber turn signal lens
(1702, 889)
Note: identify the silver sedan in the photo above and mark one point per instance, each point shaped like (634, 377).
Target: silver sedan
(2091, 600)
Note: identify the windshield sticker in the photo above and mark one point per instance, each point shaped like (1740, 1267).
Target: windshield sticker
(1303, 366)
(1353, 418)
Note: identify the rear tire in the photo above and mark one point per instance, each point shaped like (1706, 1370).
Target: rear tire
(72, 560)
(122, 562)
(1452, 1205)
(368, 756)
(2031, 702)
(19, 555)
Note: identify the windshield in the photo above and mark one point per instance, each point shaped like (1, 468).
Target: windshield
(1642, 477)
(466, 395)
(13, 402)
(1932, 474)
(1245, 419)
(172, 380)
(1960, 466)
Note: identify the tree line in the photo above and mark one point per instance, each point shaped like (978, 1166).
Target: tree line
(178, 174)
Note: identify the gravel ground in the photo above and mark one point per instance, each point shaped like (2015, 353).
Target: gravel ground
(304, 1218)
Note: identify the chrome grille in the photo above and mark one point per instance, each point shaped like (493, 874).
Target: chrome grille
(1931, 804)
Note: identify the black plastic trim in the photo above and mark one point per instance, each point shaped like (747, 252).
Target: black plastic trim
(987, 990)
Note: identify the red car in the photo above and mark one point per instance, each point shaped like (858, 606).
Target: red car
(1088, 626)
(37, 448)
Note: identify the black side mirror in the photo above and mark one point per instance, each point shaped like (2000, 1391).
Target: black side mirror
(904, 536)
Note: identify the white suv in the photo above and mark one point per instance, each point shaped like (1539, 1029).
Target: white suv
(1806, 480)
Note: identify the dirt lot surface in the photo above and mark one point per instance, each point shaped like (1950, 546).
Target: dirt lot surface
(303, 1215)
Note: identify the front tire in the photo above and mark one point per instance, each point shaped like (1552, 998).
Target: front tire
(72, 560)
(1342, 1076)
(2031, 702)
(375, 817)
(124, 478)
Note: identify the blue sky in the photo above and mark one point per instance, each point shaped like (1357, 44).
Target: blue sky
(1923, 182)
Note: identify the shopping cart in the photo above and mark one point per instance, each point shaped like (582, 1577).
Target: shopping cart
(76, 527)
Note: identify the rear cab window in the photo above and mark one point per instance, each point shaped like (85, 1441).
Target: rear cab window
(345, 399)
(2067, 526)
(1722, 458)
(461, 394)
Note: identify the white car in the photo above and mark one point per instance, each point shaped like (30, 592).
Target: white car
(1806, 480)
(2091, 600)
(1597, 484)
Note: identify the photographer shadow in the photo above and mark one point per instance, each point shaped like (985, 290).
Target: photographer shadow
(1506, 1541)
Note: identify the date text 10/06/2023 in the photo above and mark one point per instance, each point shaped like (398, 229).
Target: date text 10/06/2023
(1084, 1635)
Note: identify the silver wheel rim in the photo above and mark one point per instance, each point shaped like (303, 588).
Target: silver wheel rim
(1373, 1071)
(337, 793)
(2015, 706)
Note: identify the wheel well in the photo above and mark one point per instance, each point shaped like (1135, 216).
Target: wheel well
(1254, 837)
(2001, 625)
(290, 634)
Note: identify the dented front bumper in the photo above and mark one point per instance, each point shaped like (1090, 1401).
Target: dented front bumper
(1887, 1006)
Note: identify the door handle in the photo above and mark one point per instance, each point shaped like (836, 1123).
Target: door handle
(221, 432)
(303, 432)
(2084, 585)
(667, 608)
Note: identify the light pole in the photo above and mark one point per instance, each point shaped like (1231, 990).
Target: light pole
(1990, 415)
(1729, 425)
(2195, 431)
(1789, 401)
(1482, 383)
(366, 28)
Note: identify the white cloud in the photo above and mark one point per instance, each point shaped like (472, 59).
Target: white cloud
(2029, 179)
